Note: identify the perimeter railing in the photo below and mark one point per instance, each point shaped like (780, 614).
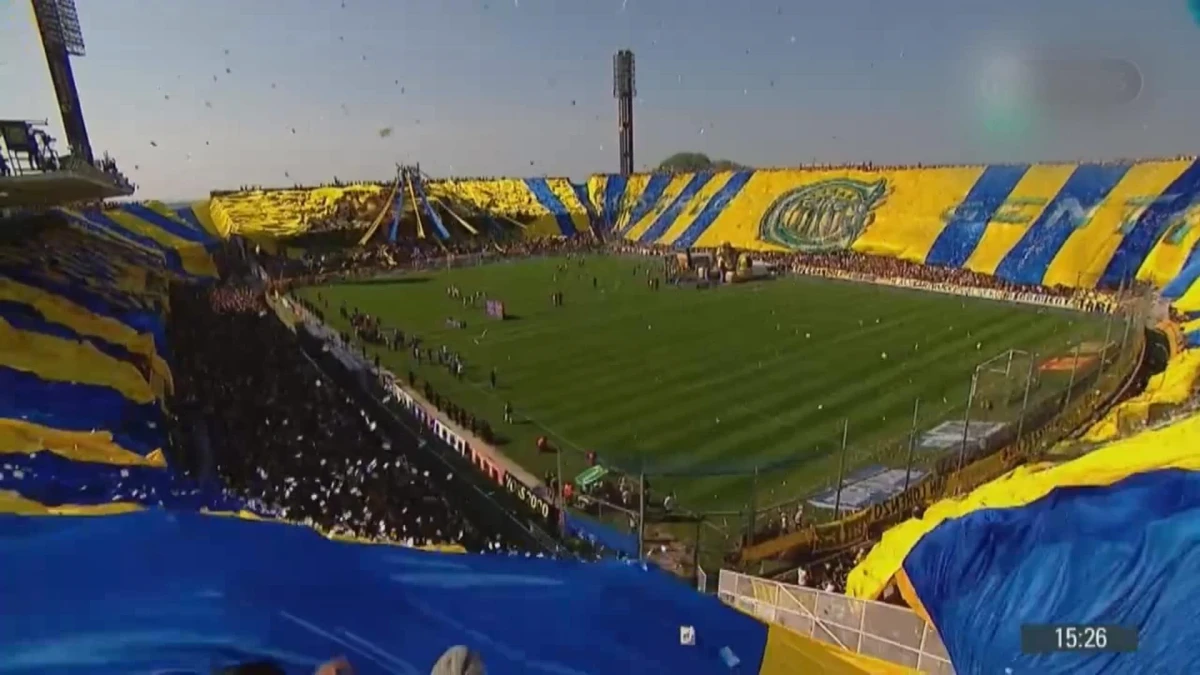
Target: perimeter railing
(875, 629)
(952, 475)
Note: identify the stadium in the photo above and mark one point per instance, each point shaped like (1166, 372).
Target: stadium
(846, 419)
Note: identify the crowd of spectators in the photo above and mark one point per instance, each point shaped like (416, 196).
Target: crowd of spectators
(866, 267)
(830, 575)
(281, 435)
(845, 262)
(415, 253)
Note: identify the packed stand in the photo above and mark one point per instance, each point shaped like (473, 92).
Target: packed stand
(857, 266)
(847, 263)
(414, 253)
(283, 437)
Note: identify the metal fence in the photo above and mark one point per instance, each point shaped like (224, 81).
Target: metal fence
(875, 629)
(1039, 416)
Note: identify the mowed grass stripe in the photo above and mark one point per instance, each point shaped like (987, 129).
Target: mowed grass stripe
(761, 422)
(873, 419)
(687, 368)
(672, 380)
(663, 343)
(788, 411)
(593, 373)
(663, 389)
(745, 391)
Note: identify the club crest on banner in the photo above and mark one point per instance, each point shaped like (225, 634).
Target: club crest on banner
(822, 216)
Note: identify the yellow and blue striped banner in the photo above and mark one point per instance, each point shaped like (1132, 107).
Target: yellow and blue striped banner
(1055, 224)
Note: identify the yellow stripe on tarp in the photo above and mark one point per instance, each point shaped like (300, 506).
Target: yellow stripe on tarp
(281, 213)
(74, 218)
(915, 210)
(1026, 202)
(790, 653)
(98, 447)
(695, 207)
(1173, 447)
(508, 197)
(467, 226)
(595, 190)
(1085, 255)
(677, 184)
(635, 186)
(344, 538)
(1172, 387)
(383, 211)
(203, 212)
(78, 318)
(221, 220)
(1168, 256)
(57, 360)
(909, 594)
(11, 502)
(561, 187)
(195, 259)
(1166, 260)
(1189, 301)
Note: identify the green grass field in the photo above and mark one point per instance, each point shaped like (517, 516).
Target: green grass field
(710, 383)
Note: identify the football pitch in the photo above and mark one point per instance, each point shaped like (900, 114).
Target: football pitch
(714, 393)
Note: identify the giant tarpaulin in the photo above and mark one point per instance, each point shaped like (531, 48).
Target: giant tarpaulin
(155, 591)
(1109, 538)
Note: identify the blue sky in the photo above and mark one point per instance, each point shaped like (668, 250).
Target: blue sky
(497, 87)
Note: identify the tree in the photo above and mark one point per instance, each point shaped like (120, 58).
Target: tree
(685, 162)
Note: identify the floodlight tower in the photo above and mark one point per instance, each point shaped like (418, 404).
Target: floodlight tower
(624, 89)
(62, 38)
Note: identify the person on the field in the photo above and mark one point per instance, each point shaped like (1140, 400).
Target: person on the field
(508, 413)
(492, 378)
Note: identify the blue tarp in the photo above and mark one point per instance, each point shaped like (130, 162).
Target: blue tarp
(1126, 554)
(51, 480)
(609, 537)
(157, 591)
